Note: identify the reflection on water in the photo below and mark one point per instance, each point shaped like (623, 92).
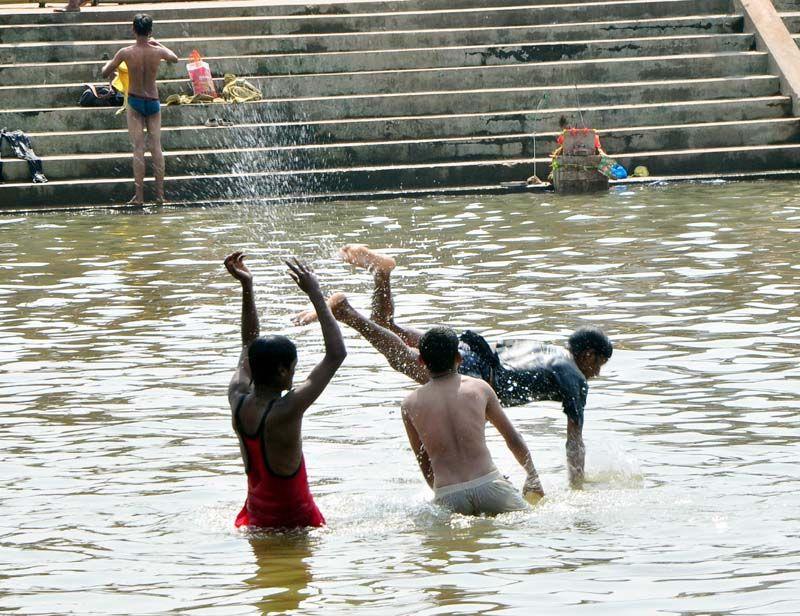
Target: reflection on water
(282, 571)
(121, 475)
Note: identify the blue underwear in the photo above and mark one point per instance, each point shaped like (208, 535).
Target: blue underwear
(144, 106)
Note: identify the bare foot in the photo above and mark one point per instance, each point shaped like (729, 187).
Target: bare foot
(360, 255)
(159, 200)
(136, 200)
(305, 317)
(338, 304)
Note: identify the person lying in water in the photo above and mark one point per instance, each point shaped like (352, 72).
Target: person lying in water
(518, 371)
(445, 420)
(267, 422)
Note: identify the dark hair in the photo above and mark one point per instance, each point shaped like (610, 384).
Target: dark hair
(562, 122)
(143, 24)
(590, 339)
(438, 348)
(267, 354)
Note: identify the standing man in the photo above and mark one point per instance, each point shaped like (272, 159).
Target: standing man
(445, 420)
(144, 109)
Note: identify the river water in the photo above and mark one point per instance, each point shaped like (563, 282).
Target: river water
(120, 472)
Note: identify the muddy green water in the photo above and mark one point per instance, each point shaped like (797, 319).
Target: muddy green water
(120, 473)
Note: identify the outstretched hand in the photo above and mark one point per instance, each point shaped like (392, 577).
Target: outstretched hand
(532, 489)
(303, 276)
(234, 263)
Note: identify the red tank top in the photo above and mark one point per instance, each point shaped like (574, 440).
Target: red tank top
(273, 501)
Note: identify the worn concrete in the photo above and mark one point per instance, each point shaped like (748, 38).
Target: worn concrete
(396, 59)
(318, 154)
(365, 22)
(438, 101)
(251, 44)
(592, 72)
(28, 14)
(404, 127)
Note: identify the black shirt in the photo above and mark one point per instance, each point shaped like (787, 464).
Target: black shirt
(521, 371)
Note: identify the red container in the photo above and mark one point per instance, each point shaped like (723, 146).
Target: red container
(200, 74)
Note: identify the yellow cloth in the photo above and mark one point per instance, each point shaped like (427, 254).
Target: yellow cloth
(185, 99)
(121, 83)
(121, 79)
(239, 90)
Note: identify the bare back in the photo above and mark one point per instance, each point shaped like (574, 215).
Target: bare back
(449, 415)
(282, 430)
(143, 60)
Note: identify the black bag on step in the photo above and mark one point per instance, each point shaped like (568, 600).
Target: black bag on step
(101, 96)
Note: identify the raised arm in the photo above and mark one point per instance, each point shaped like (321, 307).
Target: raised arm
(110, 66)
(515, 443)
(420, 454)
(304, 395)
(576, 454)
(240, 382)
(166, 54)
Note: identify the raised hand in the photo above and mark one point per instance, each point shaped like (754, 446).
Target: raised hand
(303, 276)
(234, 263)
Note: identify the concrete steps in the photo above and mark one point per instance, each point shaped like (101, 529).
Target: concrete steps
(184, 135)
(164, 10)
(387, 81)
(96, 52)
(407, 95)
(339, 153)
(499, 16)
(396, 178)
(494, 54)
(592, 101)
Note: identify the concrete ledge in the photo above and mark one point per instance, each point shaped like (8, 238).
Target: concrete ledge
(378, 58)
(256, 153)
(278, 183)
(252, 44)
(316, 113)
(419, 103)
(268, 184)
(367, 22)
(772, 36)
(738, 114)
(566, 74)
(163, 10)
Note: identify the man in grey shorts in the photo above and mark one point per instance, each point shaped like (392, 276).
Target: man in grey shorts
(446, 419)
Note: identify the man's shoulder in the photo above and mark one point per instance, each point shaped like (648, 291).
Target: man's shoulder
(471, 381)
(470, 384)
(411, 399)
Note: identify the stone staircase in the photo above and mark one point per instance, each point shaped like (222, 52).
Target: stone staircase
(398, 97)
(790, 11)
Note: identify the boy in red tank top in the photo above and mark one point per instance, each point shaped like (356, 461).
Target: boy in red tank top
(267, 421)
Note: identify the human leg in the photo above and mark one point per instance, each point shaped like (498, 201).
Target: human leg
(400, 356)
(72, 6)
(381, 267)
(136, 131)
(154, 137)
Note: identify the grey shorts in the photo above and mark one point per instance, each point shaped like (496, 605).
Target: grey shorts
(490, 494)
